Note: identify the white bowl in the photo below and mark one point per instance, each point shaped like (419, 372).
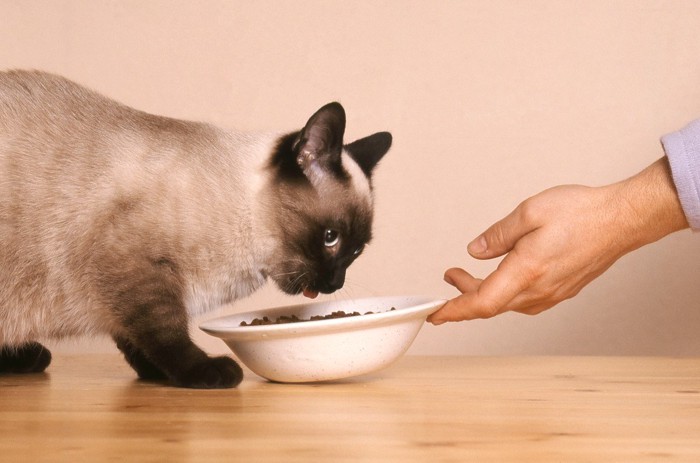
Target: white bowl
(323, 350)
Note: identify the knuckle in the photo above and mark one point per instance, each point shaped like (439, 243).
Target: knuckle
(531, 271)
(488, 309)
(528, 212)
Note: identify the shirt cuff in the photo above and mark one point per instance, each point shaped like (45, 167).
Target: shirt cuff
(683, 152)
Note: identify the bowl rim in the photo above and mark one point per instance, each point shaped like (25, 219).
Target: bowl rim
(227, 326)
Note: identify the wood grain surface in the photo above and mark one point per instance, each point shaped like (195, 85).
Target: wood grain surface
(426, 409)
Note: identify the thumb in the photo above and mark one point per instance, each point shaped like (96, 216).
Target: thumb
(500, 237)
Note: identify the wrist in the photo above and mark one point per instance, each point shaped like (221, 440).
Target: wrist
(652, 207)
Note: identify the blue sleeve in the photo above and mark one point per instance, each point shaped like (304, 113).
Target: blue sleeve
(683, 152)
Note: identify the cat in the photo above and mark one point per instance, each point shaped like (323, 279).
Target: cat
(124, 223)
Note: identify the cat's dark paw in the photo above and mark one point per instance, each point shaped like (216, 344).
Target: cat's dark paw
(213, 373)
(138, 361)
(27, 358)
(149, 372)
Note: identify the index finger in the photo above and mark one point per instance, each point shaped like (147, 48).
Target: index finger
(490, 298)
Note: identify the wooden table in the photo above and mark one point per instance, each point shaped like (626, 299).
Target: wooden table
(427, 409)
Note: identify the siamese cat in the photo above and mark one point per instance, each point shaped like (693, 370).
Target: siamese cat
(120, 222)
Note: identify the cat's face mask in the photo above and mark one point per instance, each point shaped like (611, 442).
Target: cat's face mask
(324, 191)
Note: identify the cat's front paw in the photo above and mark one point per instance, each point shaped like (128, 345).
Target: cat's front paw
(213, 373)
(31, 357)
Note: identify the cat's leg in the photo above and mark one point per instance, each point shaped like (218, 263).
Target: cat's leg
(154, 335)
(161, 351)
(143, 293)
(31, 357)
(138, 361)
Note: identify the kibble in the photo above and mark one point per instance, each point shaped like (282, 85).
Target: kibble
(295, 319)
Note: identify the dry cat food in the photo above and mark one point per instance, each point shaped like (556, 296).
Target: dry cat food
(294, 319)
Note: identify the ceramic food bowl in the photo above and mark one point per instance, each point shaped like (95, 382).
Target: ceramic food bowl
(327, 349)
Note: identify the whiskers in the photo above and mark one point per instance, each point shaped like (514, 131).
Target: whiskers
(291, 281)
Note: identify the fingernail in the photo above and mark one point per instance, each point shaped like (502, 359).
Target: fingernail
(448, 280)
(478, 246)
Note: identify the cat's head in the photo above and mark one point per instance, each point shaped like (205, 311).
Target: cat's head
(322, 193)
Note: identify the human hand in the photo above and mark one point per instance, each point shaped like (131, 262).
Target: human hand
(559, 241)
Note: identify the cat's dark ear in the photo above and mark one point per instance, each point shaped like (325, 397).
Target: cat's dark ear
(320, 142)
(369, 150)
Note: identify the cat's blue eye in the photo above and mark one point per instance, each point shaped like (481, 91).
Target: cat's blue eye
(331, 238)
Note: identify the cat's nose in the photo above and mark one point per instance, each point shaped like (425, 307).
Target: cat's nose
(337, 280)
(333, 282)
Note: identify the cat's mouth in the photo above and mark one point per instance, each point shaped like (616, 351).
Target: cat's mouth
(309, 287)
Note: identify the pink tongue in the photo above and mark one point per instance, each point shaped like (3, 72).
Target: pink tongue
(310, 294)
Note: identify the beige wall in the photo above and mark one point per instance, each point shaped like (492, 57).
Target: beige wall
(489, 102)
